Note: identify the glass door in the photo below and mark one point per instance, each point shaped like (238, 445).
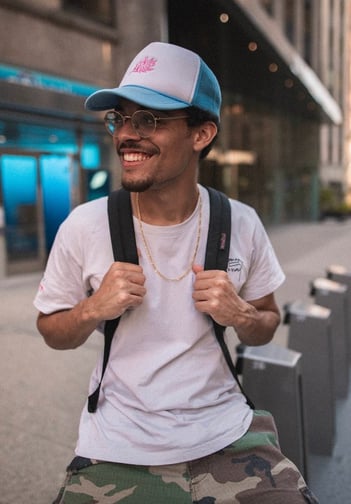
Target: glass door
(22, 230)
(36, 198)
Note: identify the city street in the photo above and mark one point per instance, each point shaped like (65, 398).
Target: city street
(43, 390)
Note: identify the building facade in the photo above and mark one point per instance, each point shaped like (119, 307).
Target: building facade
(282, 65)
(319, 30)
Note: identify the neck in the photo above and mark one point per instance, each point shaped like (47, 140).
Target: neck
(165, 208)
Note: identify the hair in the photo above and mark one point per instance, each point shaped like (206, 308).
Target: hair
(196, 117)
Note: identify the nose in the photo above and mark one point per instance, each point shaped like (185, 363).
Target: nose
(127, 130)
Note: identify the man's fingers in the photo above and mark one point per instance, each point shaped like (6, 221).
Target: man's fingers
(197, 268)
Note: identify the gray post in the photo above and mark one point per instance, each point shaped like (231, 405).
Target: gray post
(272, 378)
(333, 295)
(310, 334)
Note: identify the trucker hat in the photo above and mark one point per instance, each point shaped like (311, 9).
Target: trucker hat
(164, 77)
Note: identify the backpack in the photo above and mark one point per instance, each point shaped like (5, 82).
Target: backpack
(124, 249)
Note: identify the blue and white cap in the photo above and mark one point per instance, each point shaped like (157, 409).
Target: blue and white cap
(164, 77)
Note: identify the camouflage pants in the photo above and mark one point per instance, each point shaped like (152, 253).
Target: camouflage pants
(251, 470)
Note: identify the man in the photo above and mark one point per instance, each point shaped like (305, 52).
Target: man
(171, 425)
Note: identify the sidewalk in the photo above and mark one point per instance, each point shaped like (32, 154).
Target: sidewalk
(43, 390)
(42, 394)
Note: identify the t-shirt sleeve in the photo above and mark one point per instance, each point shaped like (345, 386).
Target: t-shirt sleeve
(265, 274)
(62, 285)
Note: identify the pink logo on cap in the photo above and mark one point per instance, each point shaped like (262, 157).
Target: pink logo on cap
(145, 65)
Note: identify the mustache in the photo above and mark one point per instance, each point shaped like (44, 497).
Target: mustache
(137, 146)
(129, 144)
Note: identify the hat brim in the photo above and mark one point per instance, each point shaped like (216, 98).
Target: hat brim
(106, 99)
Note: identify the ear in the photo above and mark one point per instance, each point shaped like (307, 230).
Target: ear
(204, 134)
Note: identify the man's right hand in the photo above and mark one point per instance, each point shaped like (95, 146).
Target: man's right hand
(122, 288)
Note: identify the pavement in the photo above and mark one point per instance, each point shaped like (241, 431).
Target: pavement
(42, 390)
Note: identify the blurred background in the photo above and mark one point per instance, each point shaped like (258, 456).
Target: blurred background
(284, 68)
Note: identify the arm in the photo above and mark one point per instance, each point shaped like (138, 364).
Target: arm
(254, 322)
(122, 288)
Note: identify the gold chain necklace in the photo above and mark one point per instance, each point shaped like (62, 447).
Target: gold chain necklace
(148, 251)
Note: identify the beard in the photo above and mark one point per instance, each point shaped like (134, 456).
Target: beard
(136, 185)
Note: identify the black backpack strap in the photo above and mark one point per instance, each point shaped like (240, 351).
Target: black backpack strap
(120, 218)
(124, 249)
(219, 231)
(217, 254)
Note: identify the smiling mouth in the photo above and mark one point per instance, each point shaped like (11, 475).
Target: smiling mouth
(132, 157)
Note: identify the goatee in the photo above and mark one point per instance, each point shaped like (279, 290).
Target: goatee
(136, 186)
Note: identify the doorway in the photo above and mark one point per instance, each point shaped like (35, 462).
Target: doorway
(35, 191)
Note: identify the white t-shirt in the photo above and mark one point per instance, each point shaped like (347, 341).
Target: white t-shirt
(167, 395)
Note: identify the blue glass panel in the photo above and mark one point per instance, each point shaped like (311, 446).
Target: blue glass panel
(19, 184)
(90, 157)
(56, 181)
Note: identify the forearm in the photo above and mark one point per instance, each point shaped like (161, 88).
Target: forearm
(255, 326)
(68, 329)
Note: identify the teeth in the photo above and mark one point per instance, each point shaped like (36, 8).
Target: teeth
(135, 156)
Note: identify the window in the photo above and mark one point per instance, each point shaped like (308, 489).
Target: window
(290, 20)
(100, 11)
(308, 30)
(268, 6)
